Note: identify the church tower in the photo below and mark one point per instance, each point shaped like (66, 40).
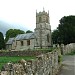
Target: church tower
(42, 30)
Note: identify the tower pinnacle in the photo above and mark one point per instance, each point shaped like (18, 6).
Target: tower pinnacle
(43, 9)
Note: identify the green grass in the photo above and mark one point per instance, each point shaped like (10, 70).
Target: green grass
(1, 64)
(15, 59)
(4, 59)
(46, 49)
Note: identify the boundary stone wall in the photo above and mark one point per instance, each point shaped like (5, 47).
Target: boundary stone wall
(24, 53)
(65, 49)
(44, 64)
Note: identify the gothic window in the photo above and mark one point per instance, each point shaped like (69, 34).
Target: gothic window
(36, 42)
(40, 19)
(28, 42)
(47, 20)
(21, 43)
(47, 37)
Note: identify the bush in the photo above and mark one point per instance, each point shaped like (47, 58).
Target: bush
(59, 58)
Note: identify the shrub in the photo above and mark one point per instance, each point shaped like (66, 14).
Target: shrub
(59, 58)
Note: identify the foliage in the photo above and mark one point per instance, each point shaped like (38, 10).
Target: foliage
(65, 32)
(55, 36)
(12, 33)
(28, 31)
(2, 43)
(59, 58)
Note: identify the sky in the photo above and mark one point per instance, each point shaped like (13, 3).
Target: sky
(22, 13)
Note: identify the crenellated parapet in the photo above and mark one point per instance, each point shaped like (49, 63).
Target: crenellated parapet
(42, 17)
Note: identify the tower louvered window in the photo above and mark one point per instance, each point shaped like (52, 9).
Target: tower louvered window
(40, 19)
(47, 37)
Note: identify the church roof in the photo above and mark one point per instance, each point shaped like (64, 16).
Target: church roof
(10, 41)
(21, 37)
(25, 36)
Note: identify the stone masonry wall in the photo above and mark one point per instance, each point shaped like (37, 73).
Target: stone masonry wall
(44, 64)
(24, 53)
(65, 49)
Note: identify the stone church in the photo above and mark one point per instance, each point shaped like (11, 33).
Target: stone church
(40, 38)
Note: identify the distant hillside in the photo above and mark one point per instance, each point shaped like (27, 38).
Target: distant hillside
(5, 26)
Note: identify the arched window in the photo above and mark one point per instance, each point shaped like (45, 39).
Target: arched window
(47, 37)
(47, 19)
(40, 19)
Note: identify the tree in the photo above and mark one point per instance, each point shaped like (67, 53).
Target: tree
(55, 35)
(66, 29)
(2, 43)
(12, 33)
(28, 31)
(65, 32)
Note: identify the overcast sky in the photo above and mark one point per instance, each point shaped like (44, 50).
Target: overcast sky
(23, 12)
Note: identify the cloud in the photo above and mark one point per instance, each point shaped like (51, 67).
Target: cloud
(4, 26)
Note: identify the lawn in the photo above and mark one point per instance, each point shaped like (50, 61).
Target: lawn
(4, 59)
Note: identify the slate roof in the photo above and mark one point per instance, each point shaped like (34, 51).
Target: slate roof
(10, 41)
(25, 36)
(21, 37)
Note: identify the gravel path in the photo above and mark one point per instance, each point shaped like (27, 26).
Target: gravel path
(68, 67)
